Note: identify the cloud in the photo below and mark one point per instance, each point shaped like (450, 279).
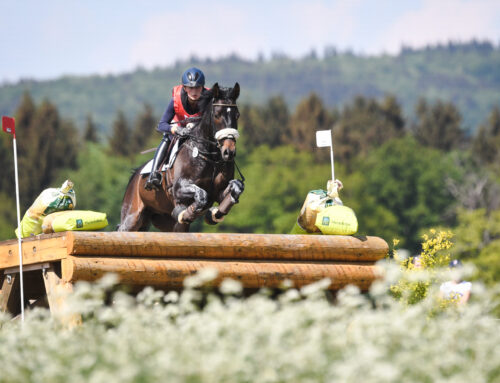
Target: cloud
(166, 37)
(292, 28)
(442, 21)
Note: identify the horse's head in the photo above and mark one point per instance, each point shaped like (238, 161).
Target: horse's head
(225, 119)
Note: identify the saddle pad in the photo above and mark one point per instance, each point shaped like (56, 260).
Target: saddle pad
(146, 169)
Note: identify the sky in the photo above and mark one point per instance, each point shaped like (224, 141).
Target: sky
(52, 38)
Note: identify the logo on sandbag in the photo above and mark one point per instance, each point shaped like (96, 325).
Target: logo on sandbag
(79, 223)
(326, 221)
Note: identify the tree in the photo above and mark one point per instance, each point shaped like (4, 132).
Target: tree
(119, 142)
(310, 115)
(276, 121)
(48, 144)
(477, 237)
(438, 125)
(278, 182)
(486, 143)
(366, 124)
(90, 134)
(407, 180)
(143, 129)
(100, 181)
(266, 124)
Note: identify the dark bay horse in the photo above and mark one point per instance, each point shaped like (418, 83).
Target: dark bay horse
(203, 172)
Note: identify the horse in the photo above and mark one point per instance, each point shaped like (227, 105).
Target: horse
(202, 174)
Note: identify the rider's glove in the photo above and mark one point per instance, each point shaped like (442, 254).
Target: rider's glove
(184, 130)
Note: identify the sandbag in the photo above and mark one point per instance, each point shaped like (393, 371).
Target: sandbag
(74, 220)
(337, 219)
(49, 201)
(297, 229)
(315, 202)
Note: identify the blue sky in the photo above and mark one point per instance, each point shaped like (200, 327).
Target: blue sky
(50, 38)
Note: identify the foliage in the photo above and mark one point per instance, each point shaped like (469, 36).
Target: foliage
(266, 124)
(8, 221)
(90, 132)
(143, 129)
(486, 144)
(279, 181)
(438, 125)
(45, 144)
(478, 240)
(472, 82)
(309, 117)
(365, 124)
(412, 288)
(299, 337)
(119, 142)
(404, 182)
(103, 192)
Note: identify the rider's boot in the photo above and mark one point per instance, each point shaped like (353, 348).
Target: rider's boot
(154, 179)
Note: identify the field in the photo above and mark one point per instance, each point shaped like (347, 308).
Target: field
(301, 336)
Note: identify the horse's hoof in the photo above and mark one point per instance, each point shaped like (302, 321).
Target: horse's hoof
(211, 216)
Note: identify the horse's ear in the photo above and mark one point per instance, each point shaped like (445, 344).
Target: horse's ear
(215, 90)
(235, 92)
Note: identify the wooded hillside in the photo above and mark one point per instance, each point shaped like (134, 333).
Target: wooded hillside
(468, 75)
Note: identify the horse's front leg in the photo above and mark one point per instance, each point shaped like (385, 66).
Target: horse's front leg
(227, 199)
(190, 201)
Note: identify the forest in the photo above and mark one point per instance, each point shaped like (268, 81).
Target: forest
(402, 175)
(466, 74)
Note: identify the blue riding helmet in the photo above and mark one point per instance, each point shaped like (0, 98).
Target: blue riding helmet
(455, 263)
(193, 77)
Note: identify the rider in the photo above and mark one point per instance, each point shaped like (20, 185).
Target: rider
(184, 104)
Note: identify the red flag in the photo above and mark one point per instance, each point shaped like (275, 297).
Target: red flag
(9, 125)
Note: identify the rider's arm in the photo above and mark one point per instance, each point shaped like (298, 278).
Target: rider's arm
(164, 124)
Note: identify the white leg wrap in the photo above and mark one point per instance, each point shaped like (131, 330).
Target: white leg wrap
(214, 211)
(181, 214)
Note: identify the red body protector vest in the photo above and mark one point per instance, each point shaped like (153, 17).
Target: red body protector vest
(180, 112)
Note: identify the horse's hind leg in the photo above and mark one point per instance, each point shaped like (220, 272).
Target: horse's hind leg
(134, 215)
(133, 219)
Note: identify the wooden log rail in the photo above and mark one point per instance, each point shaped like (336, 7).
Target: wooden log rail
(164, 259)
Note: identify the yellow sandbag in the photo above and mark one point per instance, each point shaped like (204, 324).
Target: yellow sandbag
(337, 219)
(49, 201)
(75, 220)
(29, 226)
(315, 202)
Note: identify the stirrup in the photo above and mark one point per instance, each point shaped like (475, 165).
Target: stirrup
(154, 181)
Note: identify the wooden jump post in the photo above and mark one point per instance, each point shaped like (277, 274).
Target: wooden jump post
(53, 263)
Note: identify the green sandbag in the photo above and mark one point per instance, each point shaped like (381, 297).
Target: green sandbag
(337, 219)
(75, 220)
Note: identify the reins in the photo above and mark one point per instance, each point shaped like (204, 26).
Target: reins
(205, 155)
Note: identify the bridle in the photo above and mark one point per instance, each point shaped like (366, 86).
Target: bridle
(222, 134)
(226, 132)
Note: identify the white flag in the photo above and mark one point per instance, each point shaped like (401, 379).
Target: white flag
(323, 138)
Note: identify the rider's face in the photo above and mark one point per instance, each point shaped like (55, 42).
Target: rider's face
(193, 93)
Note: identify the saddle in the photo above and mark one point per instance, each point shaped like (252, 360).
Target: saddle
(170, 155)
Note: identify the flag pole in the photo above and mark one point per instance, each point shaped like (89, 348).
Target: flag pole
(9, 126)
(19, 230)
(331, 158)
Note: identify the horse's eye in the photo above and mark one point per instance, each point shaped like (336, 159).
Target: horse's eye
(237, 115)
